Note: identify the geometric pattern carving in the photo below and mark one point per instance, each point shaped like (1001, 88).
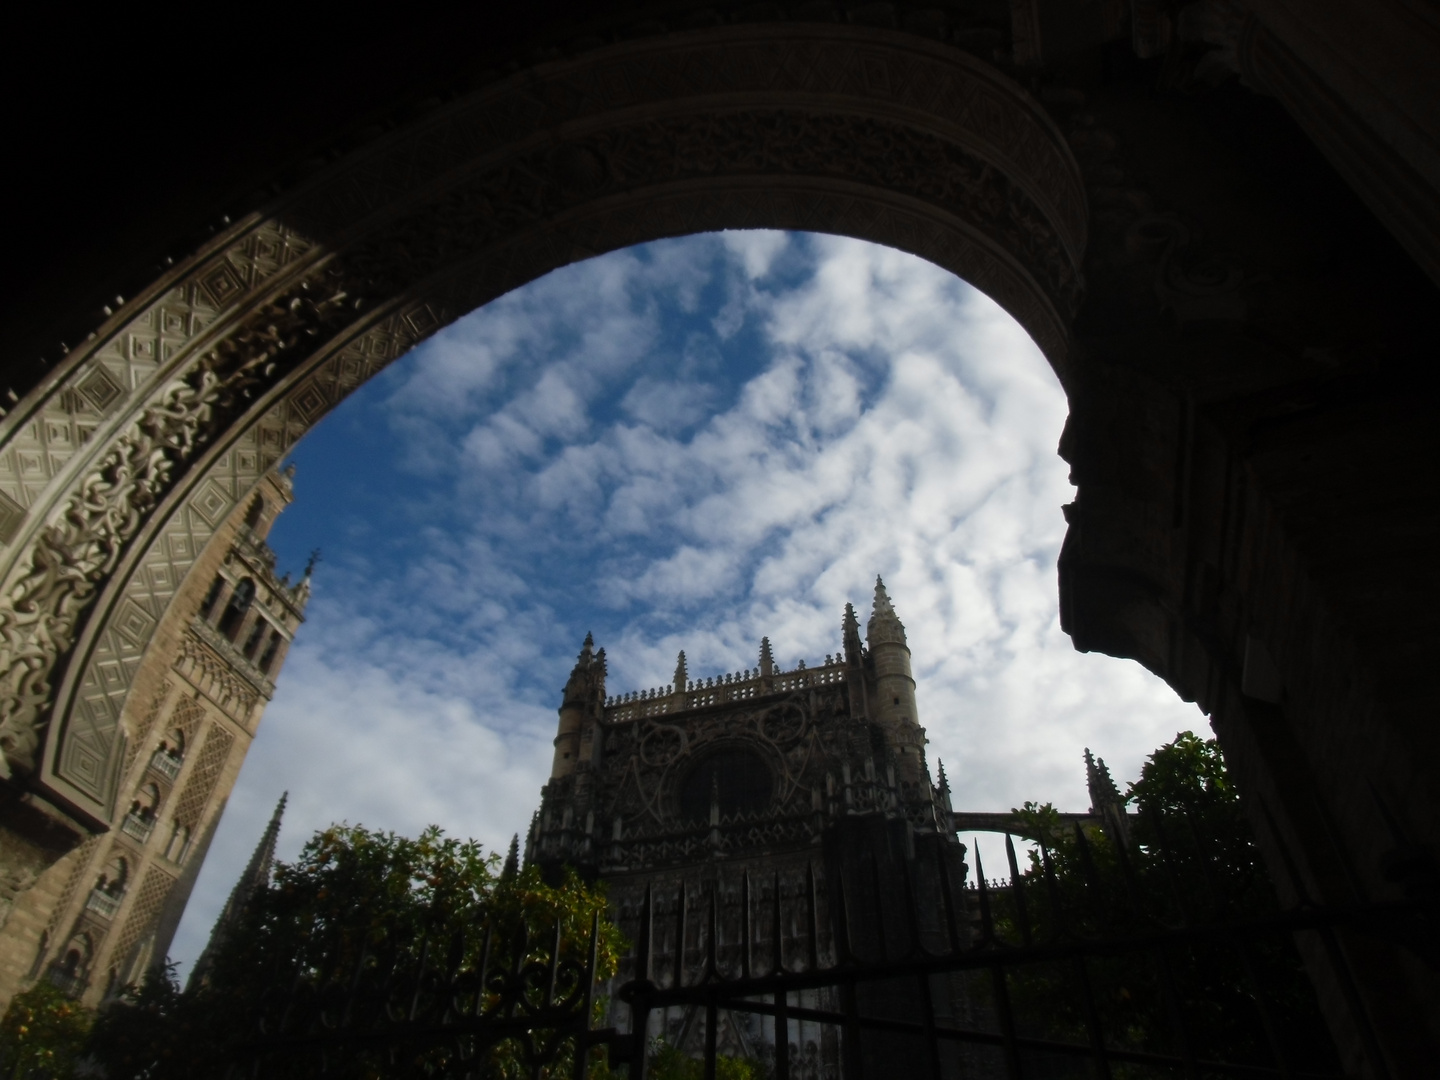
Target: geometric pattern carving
(133, 623)
(11, 514)
(141, 735)
(72, 883)
(187, 714)
(212, 503)
(208, 670)
(201, 783)
(153, 891)
(106, 680)
(99, 388)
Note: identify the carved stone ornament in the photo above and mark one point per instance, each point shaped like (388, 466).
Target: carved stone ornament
(71, 558)
(211, 376)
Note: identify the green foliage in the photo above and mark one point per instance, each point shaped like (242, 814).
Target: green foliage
(669, 1062)
(42, 1034)
(354, 905)
(1190, 859)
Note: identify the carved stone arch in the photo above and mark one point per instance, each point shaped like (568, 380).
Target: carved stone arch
(235, 353)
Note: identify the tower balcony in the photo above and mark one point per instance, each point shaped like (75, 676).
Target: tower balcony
(166, 765)
(103, 903)
(137, 827)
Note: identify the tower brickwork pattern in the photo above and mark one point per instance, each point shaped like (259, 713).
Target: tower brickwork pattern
(96, 918)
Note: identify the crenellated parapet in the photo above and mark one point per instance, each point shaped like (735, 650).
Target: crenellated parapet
(755, 760)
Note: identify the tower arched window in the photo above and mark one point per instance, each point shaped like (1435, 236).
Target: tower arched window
(115, 876)
(179, 845)
(235, 611)
(70, 968)
(252, 643)
(76, 957)
(146, 801)
(271, 650)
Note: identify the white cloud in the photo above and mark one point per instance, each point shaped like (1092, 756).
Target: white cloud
(592, 458)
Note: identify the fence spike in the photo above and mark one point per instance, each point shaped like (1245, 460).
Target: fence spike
(745, 925)
(813, 933)
(1017, 890)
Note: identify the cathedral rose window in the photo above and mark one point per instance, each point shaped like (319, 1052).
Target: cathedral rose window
(738, 778)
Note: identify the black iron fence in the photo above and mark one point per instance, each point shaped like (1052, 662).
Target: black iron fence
(1091, 960)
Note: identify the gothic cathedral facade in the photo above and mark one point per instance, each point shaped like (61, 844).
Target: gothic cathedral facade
(766, 790)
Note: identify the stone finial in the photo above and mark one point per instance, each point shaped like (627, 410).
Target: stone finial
(682, 674)
(767, 659)
(884, 624)
(850, 634)
(944, 785)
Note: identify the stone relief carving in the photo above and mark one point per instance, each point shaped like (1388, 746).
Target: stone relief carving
(72, 558)
(642, 762)
(97, 378)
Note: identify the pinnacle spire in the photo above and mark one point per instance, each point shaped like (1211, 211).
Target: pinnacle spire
(884, 624)
(254, 879)
(682, 673)
(587, 677)
(850, 636)
(767, 659)
(882, 598)
(1103, 791)
(512, 860)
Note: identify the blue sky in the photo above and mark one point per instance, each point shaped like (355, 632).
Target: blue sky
(688, 444)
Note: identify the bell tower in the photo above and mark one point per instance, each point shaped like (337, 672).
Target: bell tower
(584, 700)
(894, 686)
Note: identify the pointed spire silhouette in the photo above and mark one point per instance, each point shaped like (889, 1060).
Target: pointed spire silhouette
(1103, 791)
(512, 860)
(254, 880)
(944, 785)
(682, 674)
(850, 635)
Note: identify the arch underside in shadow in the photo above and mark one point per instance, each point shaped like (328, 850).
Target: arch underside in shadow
(168, 417)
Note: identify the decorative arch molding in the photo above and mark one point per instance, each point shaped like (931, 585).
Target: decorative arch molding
(123, 462)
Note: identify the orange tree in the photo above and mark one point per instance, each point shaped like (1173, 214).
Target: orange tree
(328, 961)
(42, 1034)
(1190, 861)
